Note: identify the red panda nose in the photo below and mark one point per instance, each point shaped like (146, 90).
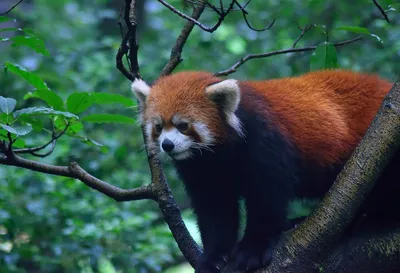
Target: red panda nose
(167, 145)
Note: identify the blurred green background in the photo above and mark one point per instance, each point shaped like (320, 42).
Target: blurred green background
(54, 224)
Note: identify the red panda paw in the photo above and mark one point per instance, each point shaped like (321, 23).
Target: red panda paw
(251, 256)
(211, 263)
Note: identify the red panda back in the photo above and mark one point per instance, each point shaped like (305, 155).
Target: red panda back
(325, 113)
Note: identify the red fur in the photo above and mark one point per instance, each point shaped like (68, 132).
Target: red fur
(325, 113)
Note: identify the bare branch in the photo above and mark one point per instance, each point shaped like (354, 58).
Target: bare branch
(129, 45)
(221, 18)
(171, 212)
(303, 31)
(176, 52)
(381, 10)
(277, 52)
(244, 13)
(13, 7)
(33, 150)
(75, 171)
(131, 23)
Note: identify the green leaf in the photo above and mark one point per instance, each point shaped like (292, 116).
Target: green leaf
(50, 97)
(108, 98)
(31, 111)
(19, 143)
(79, 102)
(91, 142)
(10, 29)
(4, 117)
(37, 124)
(7, 105)
(4, 19)
(17, 130)
(75, 128)
(324, 57)
(32, 78)
(354, 29)
(361, 30)
(34, 43)
(108, 118)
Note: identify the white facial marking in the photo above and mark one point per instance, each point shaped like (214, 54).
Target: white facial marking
(203, 132)
(182, 143)
(227, 94)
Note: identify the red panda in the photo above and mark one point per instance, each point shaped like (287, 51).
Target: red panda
(264, 141)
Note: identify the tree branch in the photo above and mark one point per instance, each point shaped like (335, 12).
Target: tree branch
(75, 171)
(221, 14)
(53, 141)
(381, 11)
(13, 7)
(176, 52)
(129, 45)
(159, 187)
(244, 13)
(277, 52)
(368, 253)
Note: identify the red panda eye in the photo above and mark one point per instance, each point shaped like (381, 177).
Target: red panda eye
(183, 126)
(158, 128)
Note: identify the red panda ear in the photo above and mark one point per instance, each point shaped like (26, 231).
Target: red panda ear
(225, 94)
(141, 90)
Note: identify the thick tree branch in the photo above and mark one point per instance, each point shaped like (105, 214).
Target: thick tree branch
(308, 243)
(75, 171)
(371, 252)
(277, 52)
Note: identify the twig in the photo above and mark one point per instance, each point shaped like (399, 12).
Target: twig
(244, 13)
(13, 7)
(75, 171)
(176, 52)
(222, 16)
(212, 7)
(381, 10)
(303, 31)
(277, 52)
(33, 150)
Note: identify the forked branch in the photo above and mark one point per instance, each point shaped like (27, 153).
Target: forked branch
(76, 172)
(222, 14)
(248, 57)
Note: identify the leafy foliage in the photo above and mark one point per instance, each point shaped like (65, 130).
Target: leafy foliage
(63, 73)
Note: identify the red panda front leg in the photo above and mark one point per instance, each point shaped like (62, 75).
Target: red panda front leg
(271, 176)
(217, 215)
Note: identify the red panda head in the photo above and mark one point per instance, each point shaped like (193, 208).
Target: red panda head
(187, 111)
